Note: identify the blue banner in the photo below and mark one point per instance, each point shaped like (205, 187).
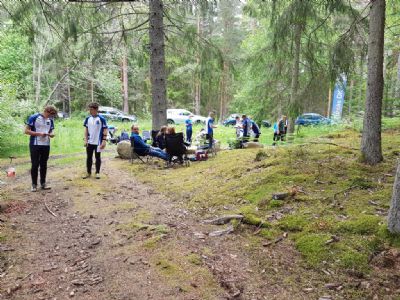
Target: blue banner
(338, 97)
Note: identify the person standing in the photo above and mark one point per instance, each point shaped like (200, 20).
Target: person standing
(238, 126)
(189, 129)
(210, 128)
(95, 138)
(256, 130)
(40, 127)
(246, 124)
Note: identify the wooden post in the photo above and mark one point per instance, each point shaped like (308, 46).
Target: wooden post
(329, 102)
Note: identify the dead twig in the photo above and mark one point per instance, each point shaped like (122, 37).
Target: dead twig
(223, 220)
(48, 209)
(344, 191)
(333, 144)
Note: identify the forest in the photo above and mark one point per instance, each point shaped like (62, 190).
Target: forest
(313, 216)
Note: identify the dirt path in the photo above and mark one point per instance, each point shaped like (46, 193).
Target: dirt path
(116, 238)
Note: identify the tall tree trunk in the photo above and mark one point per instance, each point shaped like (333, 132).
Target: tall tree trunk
(157, 64)
(394, 211)
(224, 91)
(197, 84)
(398, 78)
(69, 93)
(92, 90)
(125, 82)
(361, 82)
(371, 137)
(350, 96)
(293, 104)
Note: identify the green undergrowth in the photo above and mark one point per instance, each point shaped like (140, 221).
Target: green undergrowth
(332, 194)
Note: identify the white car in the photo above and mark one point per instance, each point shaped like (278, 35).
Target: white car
(179, 116)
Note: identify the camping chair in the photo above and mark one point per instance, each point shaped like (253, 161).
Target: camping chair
(176, 148)
(134, 155)
(146, 135)
(153, 137)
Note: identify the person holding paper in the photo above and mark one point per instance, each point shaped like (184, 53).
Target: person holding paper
(95, 138)
(40, 127)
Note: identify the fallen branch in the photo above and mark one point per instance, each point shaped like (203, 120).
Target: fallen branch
(48, 209)
(223, 220)
(333, 144)
(345, 190)
(222, 232)
(280, 196)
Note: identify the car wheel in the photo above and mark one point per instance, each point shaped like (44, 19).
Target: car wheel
(171, 122)
(125, 120)
(198, 122)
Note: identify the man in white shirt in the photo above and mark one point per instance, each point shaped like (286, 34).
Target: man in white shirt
(95, 138)
(40, 128)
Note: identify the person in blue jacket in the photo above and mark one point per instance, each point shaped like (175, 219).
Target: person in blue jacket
(256, 130)
(246, 125)
(189, 129)
(141, 148)
(210, 128)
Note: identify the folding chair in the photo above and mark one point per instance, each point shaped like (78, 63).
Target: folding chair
(146, 135)
(176, 148)
(153, 137)
(134, 155)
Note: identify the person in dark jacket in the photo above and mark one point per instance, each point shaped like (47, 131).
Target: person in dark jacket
(141, 148)
(160, 137)
(189, 129)
(256, 130)
(246, 125)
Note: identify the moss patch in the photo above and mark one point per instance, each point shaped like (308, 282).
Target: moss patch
(313, 248)
(364, 224)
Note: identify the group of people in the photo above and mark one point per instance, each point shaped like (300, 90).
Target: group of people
(245, 127)
(280, 129)
(40, 128)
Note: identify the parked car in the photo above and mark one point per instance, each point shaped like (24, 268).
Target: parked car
(312, 119)
(266, 123)
(179, 116)
(230, 121)
(114, 114)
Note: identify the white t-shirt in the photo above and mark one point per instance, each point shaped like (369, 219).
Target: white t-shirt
(39, 123)
(95, 126)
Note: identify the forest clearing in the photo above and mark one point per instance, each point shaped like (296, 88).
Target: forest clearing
(200, 149)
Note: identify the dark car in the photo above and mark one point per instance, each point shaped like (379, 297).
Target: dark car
(312, 119)
(266, 123)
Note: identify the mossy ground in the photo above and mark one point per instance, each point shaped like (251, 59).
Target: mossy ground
(333, 194)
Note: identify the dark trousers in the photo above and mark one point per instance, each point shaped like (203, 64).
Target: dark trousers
(89, 159)
(278, 137)
(210, 138)
(39, 157)
(189, 135)
(257, 135)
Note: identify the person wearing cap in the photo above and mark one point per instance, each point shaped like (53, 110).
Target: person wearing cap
(40, 127)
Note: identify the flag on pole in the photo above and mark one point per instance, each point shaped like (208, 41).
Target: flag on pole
(338, 97)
